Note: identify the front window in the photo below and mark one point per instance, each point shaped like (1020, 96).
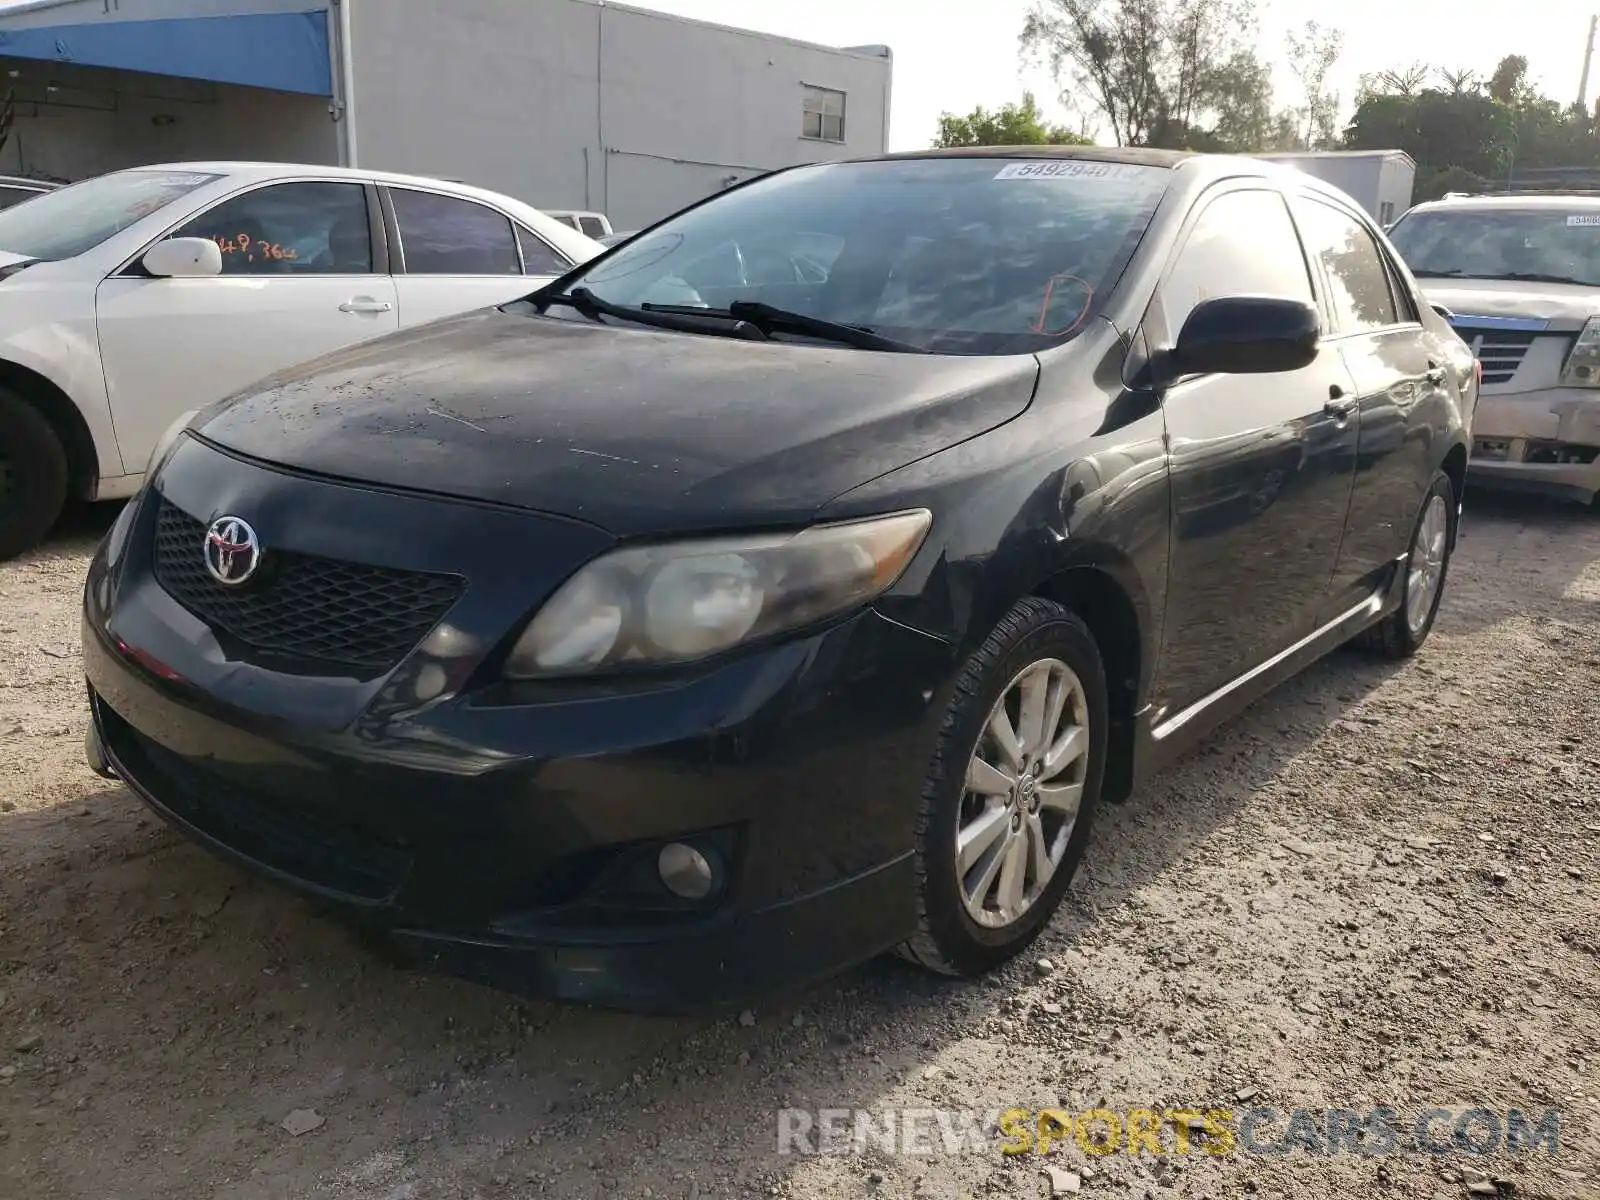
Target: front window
(953, 255)
(74, 220)
(1555, 244)
(309, 228)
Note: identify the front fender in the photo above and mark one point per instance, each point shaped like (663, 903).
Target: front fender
(1012, 512)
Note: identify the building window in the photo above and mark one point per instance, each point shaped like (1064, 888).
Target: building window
(823, 117)
(1386, 212)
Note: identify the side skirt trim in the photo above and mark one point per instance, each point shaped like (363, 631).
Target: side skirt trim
(1367, 609)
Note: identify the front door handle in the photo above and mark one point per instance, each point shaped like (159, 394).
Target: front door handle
(365, 304)
(1339, 405)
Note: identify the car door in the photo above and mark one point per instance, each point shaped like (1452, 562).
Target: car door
(1260, 466)
(301, 276)
(455, 255)
(1399, 375)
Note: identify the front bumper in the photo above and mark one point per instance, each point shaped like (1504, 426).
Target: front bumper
(1547, 442)
(511, 838)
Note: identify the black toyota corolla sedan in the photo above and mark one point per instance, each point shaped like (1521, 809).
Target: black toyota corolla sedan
(791, 583)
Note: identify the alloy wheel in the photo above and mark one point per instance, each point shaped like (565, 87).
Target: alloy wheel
(1426, 568)
(1024, 785)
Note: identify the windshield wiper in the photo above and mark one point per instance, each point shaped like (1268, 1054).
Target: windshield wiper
(1538, 277)
(1513, 276)
(771, 320)
(591, 306)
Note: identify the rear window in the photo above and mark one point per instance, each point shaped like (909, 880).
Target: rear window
(592, 226)
(1556, 244)
(10, 196)
(955, 255)
(74, 220)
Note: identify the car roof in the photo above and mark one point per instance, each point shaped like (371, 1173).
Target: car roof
(1201, 170)
(560, 235)
(1131, 155)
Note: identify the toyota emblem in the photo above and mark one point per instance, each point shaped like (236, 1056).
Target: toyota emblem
(232, 551)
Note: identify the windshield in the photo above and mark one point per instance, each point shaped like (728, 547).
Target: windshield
(1554, 243)
(68, 222)
(953, 255)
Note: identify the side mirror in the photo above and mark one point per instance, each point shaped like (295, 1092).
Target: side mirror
(1247, 335)
(184, 258)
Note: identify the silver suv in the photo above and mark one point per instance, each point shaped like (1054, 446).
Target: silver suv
(1519, 278)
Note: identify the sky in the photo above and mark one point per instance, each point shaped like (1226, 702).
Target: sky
(951, 55)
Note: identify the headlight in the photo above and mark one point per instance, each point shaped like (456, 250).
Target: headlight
(675, 603)
(1583, 364)
(166, 441)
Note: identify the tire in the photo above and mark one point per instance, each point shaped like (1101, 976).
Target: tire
(33, 476)
(1036, 636)
(1399, 636)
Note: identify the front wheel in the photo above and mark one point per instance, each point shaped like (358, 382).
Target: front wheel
(1012, 791)
(33, 476)
(1402, 632)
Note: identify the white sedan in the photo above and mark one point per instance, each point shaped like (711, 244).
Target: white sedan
(131, 298)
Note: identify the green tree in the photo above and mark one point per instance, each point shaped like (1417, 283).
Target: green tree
(1437, 128)
(1508, 84)
(1468, 135)
(1013, 125)
(1313, 51)
(1173, 73)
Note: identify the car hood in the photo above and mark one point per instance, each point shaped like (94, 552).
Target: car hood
(637, 431)
(1564, 306)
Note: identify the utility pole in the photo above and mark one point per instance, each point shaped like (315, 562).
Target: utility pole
(1588, 59)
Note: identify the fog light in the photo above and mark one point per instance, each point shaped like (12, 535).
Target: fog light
(685, 871)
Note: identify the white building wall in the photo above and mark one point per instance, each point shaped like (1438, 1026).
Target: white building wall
(572, 104)
(1396, 184)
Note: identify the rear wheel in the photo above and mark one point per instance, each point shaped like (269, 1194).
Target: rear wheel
(1012, 791)
(1402, 632)
(33, 476)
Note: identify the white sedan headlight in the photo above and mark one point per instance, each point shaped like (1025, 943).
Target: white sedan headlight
(682, 601)
(1583, 364)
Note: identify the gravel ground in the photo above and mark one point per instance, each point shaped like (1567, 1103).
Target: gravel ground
(1379, 886)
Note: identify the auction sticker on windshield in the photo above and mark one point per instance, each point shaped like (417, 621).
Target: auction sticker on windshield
(1074, 169)
(1584, 219)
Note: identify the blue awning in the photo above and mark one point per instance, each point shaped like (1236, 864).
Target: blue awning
(287, 52)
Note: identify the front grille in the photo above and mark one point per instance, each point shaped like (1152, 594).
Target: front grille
(314, 848)
(304, 609)
(1501, 351)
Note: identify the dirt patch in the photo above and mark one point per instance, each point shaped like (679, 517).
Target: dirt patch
(1378, 887)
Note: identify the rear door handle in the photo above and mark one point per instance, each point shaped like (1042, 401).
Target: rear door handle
(1339, 405)
(1435, 376)
(364, 304)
